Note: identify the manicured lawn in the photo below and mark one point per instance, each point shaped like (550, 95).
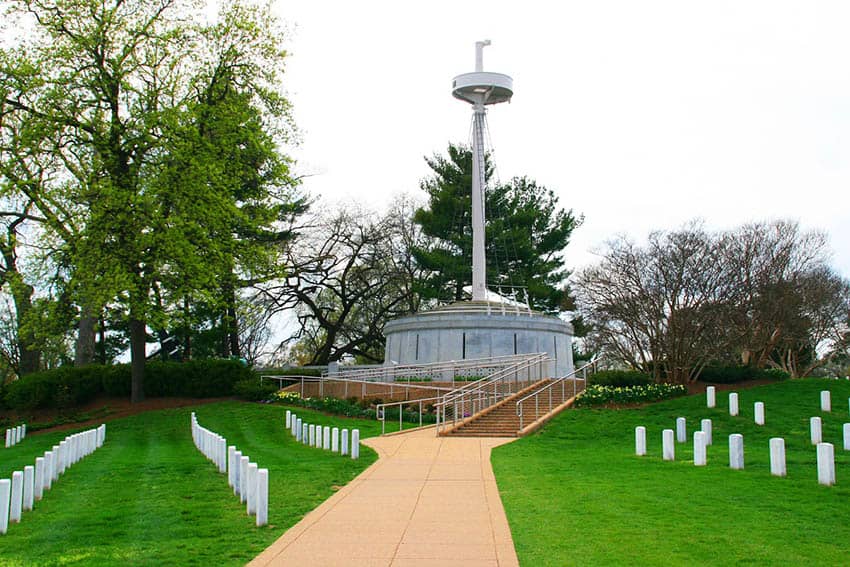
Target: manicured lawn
(575, 493)
(149, 497)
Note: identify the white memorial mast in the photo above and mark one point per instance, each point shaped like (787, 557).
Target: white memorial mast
(480, 89)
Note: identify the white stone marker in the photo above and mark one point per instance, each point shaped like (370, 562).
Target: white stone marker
(699, 449)
(55, 467)
(759, 413)
(243, 479)
(312, 441)
(668, 448)
(355, 443)
(262, 497)
(733, 403)
(288, 419)
(681, 430)
(826, 464)
(17, 496)
(847, 436)
(705, 427)
(640, 441)
(710, 397)
(29, 487)
(237, 472)
(39, 477)
(8, 438)
(344, 447)
(815, 430)
(326, 438)
(295, 427)
(5, 496)
(48, 469)
(17, 434)
(318, 439)
(231, 468)
(825, 401)
(736, 451)
(777, 456)
(252, 489)
(298, 429)
(335, 440)
(305, 428)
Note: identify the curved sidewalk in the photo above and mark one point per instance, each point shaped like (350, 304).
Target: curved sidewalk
(427, 501)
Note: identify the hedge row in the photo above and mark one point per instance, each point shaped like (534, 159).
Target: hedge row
(620, 378)
(70, 386)
(731, 374)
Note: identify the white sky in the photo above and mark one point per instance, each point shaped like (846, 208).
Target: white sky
(640, 115)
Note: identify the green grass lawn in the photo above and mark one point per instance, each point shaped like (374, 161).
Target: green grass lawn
(575, 493)
(149, 497)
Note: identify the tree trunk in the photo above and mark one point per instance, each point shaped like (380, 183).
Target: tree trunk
(29, 354)
(137, 359)
(84, 346)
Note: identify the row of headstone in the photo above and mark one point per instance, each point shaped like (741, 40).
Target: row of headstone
(15, 435)
(711, 402)
(323, 437)
(248, 481)
(26, 487)
(825, 451)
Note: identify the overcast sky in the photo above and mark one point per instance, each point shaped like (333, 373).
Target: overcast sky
(640, 115)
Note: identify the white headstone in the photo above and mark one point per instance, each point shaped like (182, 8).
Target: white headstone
(5, 499)
(39, 477)
(252, 489)
(681, 430)
(17, 496)
(777, 456)
(710, 397)
(8, 438)
(640, 441)
(355, 443)
(815, 430)
(733, 403)
(262, 497)
(759, 413)
(668, 448)
(826, 464)
(298, 429)
(243, 478)
(29, 487)
(846, 431)
(699, 449)
(231, 468)
(56, 464)
(288, 419)
(326, 438)
(237, 472)
(48, 469)
(295, 427)
(335, 439)
(736, 451)
(305, 429)
(705, 427)
(825, 401)
(312, 441)
(344, 449)
(23, 430)
(17, 434)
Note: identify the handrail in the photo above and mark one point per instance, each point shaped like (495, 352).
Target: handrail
(549, 387)
(486, 393)
(381, 410)
(383, 372)
(392, 386)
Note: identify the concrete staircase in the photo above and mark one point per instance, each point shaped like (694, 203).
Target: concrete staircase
(501, 420)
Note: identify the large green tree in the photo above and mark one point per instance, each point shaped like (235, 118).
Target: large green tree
(119, 86)
(526, 234)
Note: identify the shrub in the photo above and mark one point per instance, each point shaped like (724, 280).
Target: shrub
(69, 386)
(253, 390)
(598, 395)
(352, 407)
(720, 374)
(292, 372)
(620, 378)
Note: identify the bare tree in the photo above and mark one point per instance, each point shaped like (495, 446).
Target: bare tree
(347, 275)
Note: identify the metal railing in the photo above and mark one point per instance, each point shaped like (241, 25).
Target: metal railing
(321, 386)
(381, 410)
(545, 393)
(471, 399)
(437, 371)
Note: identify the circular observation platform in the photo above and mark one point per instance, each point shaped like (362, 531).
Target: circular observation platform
(483, 88)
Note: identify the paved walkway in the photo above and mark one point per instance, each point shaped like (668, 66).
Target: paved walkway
(427, 501)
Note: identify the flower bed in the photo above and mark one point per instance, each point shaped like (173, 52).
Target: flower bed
(596, 395)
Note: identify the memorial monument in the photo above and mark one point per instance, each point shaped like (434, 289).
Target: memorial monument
(488, 325)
